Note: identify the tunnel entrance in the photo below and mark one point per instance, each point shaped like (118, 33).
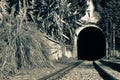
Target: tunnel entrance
(91, 44)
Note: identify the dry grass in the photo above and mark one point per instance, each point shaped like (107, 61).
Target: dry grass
(22, 46)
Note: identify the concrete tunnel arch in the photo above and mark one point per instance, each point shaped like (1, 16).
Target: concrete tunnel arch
(91, 43)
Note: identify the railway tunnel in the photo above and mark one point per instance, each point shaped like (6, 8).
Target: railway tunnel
(91, 44)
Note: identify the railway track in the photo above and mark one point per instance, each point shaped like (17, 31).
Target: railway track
(103, 73)
(111, 64)
(83, 70)
(60, 73)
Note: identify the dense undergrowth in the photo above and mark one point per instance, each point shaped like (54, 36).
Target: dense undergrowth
(22, 46)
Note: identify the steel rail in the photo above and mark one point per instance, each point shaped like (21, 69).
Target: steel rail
(113, 65)
(60, 73)
(105, 75)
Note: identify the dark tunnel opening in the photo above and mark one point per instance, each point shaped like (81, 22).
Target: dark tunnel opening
(91, 44)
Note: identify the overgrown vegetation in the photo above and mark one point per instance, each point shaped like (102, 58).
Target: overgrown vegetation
(110, 24)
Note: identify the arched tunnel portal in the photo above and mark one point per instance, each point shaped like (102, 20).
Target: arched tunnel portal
(91, 44)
